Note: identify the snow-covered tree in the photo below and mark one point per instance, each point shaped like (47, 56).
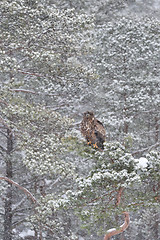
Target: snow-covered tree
(55, 64)
(43, 51)
(116, 183)
(41, 59)
(128, 87)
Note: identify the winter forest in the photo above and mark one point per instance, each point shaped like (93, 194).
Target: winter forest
(59, 59)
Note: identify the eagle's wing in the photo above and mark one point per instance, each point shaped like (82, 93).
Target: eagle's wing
(86, 129)
(100, 130)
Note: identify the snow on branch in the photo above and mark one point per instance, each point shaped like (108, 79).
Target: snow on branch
(21, 188)
(122, 228)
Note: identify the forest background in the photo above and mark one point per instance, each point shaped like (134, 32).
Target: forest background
(58, 60)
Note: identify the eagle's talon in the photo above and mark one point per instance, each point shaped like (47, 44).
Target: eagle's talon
(95, 145)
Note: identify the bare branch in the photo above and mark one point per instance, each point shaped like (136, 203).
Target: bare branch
(3, 149)
(23, 90)
(2, 132)
(1, 101)
(32, 92)
(28, 73)
(147, 148)
(20, 187)
(122, 228)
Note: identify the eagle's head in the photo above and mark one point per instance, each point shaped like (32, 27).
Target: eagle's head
(88, 116)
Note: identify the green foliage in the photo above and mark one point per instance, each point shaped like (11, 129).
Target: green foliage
(128, 46)
(151, 175)
(94, 196)
(128, 62)
(39, 132)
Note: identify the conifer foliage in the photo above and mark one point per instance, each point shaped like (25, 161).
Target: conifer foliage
(58, 61)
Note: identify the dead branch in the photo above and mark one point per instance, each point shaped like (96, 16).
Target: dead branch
(122, 228)
(21, 188)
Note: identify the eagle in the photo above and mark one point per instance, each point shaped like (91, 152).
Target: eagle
(93, 130)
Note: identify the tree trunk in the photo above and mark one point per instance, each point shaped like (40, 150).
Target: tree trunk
(8, 200)
(122, 228)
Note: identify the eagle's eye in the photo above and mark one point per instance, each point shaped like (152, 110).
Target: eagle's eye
(88, 115)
